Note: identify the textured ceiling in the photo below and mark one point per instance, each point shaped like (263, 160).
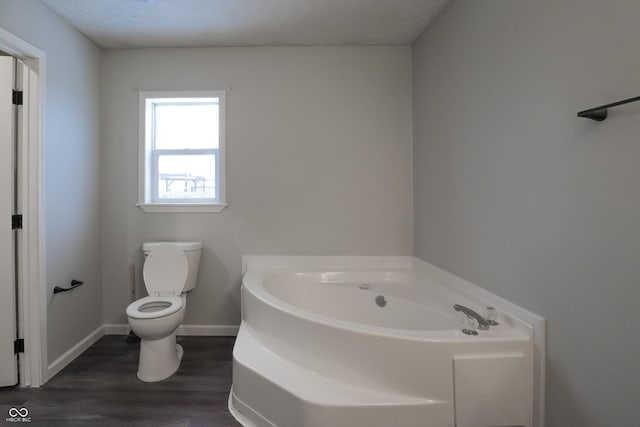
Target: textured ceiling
(185, 23)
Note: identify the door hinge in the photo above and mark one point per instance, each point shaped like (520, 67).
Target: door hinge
(16, 222)
(18, 346)
(17, 97)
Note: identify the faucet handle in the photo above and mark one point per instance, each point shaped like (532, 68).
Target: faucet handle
(469, 325)
(491, 315)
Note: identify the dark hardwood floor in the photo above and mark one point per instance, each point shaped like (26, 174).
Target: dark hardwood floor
(101, 388)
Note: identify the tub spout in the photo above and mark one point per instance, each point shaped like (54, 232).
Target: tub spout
(483, 324)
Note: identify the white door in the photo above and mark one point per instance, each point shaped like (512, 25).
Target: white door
(8, 360)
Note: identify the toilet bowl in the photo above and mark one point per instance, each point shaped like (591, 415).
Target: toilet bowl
(168, 273)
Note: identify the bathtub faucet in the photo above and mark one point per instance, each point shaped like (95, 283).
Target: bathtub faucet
(483, 324)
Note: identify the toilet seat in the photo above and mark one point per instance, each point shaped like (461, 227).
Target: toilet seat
(137, 309)
(165, 270)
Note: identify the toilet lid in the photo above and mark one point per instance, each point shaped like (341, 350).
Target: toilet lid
(165, 271)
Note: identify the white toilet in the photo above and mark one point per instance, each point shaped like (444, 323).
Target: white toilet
(170, 270)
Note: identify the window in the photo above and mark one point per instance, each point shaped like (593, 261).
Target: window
(181, 164)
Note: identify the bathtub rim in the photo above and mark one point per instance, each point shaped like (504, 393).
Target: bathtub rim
(253, 283)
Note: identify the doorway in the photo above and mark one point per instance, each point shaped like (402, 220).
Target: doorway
(22, 290)
(9, 238)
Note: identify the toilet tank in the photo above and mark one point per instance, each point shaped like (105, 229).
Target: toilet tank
(192, 250)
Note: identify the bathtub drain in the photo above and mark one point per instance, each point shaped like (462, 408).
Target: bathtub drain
(381, 301)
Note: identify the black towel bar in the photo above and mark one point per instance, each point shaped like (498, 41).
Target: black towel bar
(600, 113)
(74, 284)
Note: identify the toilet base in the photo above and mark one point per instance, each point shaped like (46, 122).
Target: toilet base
(159, 359)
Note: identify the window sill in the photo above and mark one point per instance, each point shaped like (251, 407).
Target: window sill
(182, 207)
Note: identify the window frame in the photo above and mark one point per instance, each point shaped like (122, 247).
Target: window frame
(148, 158)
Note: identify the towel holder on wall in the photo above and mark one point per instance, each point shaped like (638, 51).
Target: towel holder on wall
(600, 113)
(74, 284)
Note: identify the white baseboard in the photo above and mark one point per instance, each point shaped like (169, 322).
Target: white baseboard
(75, 351)
(209, 330)
(183, 330)
(116, 328)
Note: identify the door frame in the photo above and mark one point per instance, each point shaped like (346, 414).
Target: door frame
(32, 297)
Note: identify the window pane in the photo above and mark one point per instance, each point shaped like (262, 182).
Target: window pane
(182, 125)
(187, 177)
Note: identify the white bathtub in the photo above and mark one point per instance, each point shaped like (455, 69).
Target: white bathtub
(372, 342)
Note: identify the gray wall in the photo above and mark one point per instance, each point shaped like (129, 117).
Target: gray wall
(515, 193)
(71, 169)
(318, 162)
